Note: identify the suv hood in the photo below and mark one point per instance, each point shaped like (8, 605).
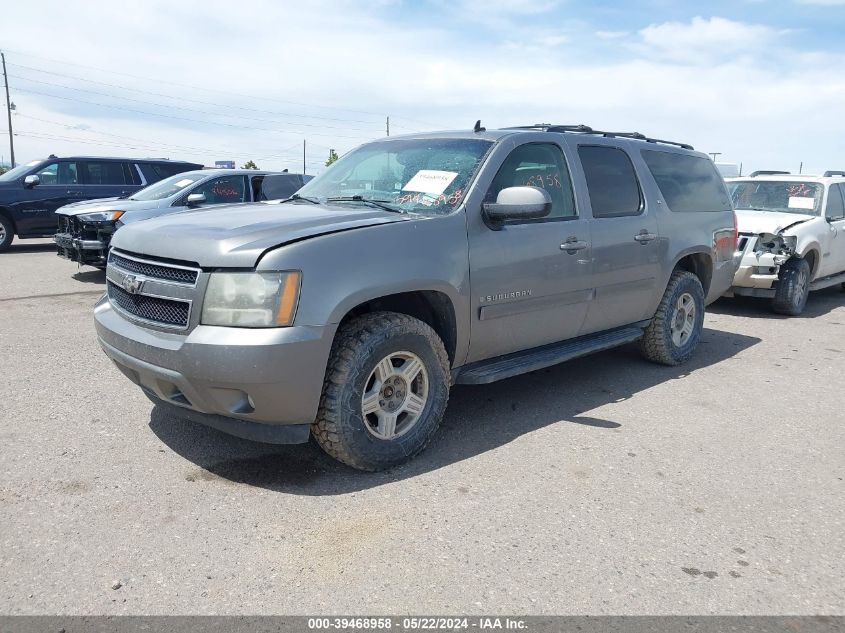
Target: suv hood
(235, 236)
(767, 221)
(105, 204)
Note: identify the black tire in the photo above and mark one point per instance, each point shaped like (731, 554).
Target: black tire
(657, 344)
(7, 231)
(793, 287)
(358, 347)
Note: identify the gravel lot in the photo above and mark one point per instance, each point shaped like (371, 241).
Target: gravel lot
(606, 485)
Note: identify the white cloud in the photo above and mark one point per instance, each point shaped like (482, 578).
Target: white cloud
(611, 35)
(750, 105)
(704, 40)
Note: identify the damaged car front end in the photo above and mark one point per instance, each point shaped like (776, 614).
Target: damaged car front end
(85, 238)
(761, 257)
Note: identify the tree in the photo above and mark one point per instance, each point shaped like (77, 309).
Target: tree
(332, 157)
(250, 165)
(3, 169)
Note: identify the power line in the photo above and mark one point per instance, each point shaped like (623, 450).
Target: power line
(183, 85)
(172, 146)
(173, 107)
(181, 98)
(170, 116)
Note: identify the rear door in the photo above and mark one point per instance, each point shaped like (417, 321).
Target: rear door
(528, 288)
(59, 185)
(106, 179)
(624, 239)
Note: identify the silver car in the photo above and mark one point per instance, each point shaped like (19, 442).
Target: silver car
(85, 228)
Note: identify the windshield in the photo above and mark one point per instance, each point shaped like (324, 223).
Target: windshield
(17, 172)
(426, 176)
(782, 196)
(168, 187)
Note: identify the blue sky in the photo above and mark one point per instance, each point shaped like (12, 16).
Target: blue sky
(759, 81)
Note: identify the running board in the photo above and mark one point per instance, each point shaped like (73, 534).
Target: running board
(502, 367)
(827, 282)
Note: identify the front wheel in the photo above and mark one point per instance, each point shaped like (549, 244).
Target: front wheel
(385, 391)
(675, 330)
(793, 288)
(7, 233)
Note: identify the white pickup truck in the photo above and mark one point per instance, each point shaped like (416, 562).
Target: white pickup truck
(791, 236)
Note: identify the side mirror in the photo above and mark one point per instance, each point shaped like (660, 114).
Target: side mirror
(30, 181)
(519, 203)
(195, 199)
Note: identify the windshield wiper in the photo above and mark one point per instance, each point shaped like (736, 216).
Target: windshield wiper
(381, 204)
(296, 197)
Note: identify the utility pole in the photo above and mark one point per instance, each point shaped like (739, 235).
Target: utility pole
(714, 155)
(303, 157)
(801, 167)
(388, 126)
(8, 110)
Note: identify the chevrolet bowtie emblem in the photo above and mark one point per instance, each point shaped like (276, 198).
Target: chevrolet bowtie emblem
(132, 284)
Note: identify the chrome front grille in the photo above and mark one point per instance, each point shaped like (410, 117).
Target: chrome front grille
(159, 293)
(153, 309)
(166, 272)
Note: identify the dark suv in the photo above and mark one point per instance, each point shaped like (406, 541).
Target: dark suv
(31, 193)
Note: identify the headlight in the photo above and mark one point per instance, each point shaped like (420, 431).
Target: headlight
(251, 299)
(100, 216)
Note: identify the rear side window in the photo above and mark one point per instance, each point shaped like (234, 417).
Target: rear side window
(154, 172)
(104, 174)
(611, 181)
(688, 184)
(835, 204)
(279, 187)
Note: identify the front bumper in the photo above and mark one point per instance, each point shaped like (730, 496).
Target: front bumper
(90, 252)
(242, 381)
(758, 270)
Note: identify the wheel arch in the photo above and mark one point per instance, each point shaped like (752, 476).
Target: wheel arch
(7, 214)
(433, 307)
(697, 262)
(812, 254)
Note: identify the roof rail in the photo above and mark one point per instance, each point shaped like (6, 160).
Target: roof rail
(586, 129)
(768, 172)
(831, 172)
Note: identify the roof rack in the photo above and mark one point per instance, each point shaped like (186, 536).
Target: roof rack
(586, 129)
(768, 172)
(831, 172)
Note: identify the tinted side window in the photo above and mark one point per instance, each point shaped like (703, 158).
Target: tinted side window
(61, 173)
(279, 187)
(226, 189)
(687, 183)
(611, 181)
(154, 172)
(131, 174)
(537, 165)
(835, 205)
(106, 173)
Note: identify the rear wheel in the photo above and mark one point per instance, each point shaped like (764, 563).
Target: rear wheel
(385, 391)
(674, 332)
(7, 233)
(793, 288)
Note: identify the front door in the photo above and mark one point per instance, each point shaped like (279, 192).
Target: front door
(625, 240)
(833, 260)
(530, 280)
(59, 185)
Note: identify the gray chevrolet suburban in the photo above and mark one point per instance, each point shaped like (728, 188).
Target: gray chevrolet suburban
(414, 263)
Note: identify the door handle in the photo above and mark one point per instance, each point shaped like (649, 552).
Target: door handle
(572, 245)
(644, 237)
